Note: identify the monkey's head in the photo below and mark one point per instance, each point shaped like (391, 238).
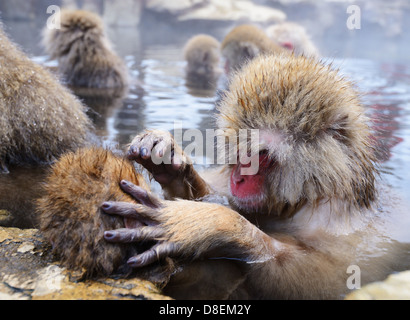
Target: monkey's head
(202, 55)
(244, 43)
(74, 25)
(313, 140)
(293, 37)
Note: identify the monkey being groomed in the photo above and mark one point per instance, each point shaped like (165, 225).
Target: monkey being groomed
(292, 229)
(87, 178)
(84, 53)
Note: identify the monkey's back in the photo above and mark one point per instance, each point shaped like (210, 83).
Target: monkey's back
(84, 53)
(70, 214)
(40, 119)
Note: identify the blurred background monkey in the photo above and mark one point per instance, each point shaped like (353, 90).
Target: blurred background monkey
(83, 51)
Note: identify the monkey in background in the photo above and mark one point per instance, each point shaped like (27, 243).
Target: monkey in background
(84, 53)
(244, 43)
(202, 53)
(293, 37)
(39, 120)
(290, 231)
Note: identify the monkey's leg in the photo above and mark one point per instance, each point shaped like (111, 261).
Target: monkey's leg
(157, 151)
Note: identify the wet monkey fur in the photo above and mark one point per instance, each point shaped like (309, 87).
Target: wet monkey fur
(292, 229)
(86, 178)
(40, 119)
(84, 53)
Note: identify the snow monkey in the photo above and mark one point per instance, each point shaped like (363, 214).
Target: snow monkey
(245, 42)
(39, 120)
(84, 53)
(202, 54)
(289, 231)
(293, 37)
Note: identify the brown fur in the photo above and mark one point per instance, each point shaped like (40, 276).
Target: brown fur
(84, 53)
(40, 119)
(202, 55)
(246, 42)
(70, 214)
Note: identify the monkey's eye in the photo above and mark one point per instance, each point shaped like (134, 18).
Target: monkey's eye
(266, 161)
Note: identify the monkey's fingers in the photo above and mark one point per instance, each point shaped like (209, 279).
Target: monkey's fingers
(142, 147)
(141, 195)
(157, 252)
(126, 235)
(130, 210)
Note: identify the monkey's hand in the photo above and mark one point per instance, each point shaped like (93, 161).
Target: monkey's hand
(187, 230)
(157, 151)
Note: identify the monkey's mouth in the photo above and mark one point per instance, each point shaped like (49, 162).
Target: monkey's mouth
(251, 203)
(248, 189)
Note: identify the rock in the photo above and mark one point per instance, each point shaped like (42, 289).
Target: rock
(122, 13)
(29, 271)
(395, 287)
(228, 10)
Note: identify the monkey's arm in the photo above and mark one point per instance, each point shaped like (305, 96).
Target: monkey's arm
(189, 230)
(157, 151)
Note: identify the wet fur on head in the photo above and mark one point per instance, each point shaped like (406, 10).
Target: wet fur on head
(324, 151)
(83, 51)
(70, 214)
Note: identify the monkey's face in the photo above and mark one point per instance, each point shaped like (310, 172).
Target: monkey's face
(313, 141)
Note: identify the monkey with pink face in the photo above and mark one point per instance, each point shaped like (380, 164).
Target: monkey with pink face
(292, 229)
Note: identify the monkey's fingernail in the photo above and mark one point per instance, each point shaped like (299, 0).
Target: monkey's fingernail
(125, 183)
(133, 151)
(106, 205)
(143, 152)
(108, 235)
(134, 262)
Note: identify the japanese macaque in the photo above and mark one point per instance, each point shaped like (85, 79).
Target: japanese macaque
(244, 43)
(84, 53)
(293, 37)
(39, 120)
(291, 229)
(202, 54)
